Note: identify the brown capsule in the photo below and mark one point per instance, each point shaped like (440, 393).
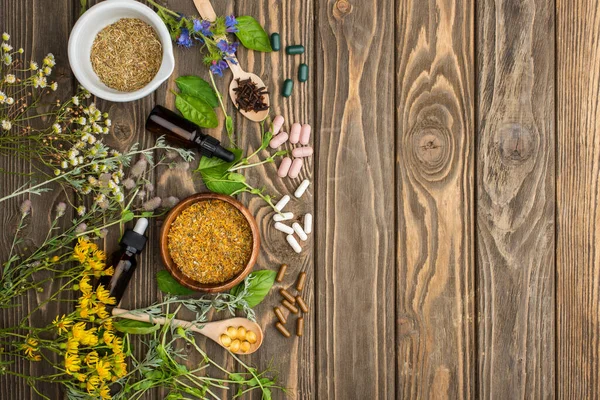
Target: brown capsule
(287, 295)
(301, 281)
(281, 273)
(302, 304)
(299, 326)
(282, 329)
(293, 309)
(279, 315)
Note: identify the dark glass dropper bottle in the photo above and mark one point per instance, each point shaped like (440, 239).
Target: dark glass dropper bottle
(184, 133)
(123, 260)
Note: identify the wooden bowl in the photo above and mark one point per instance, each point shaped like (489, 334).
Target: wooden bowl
(174, 269)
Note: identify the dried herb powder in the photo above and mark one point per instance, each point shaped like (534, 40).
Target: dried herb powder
(127, 55)
(210, 241)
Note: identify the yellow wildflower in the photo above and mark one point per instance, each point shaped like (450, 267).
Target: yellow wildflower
(100, 311)
(96, 265)
(117, 345)
(104, 296)
(91, 358)
(62, 324)
(85, 286)
(103, 370)
(105, 392)
(30, 347)
(99, 255)
(108, 325)
(78, 330)
(108, 337)
(92, 383)
(80, 377)
(87, 301)
(79, 254)
(36, 357)
(89, 338)
(55, 259)
(110, 271)
(72, 363)
(72, 346)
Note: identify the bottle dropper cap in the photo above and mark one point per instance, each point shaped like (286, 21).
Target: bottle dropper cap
(135, 239)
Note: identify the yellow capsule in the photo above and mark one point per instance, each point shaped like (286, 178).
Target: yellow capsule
(241, 333)
(251, 337)
(244, 347)
(225, 340)
(235, 346)
(232, 332)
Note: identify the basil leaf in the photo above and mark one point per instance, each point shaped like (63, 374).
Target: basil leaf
(259, 286)
(197, 111)
(265, 140)
(197, 87)
(252, 35)
(216, 176)
(216, 165)
(229, 125)
(135, 327)
(222, 184)
(168, 284)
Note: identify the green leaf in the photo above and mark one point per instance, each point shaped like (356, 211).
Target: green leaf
(216, 165)
(235, 177)
(135, 327)
(196, 110)
(259, 286)
(168, 284)
(127, 216)
(216, 176)
(267, 136)
(252, 35)
(222, 184)
(197, 87)
(229, 125)
(236, 377)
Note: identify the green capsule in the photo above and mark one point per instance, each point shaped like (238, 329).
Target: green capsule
(303, 73)
(288, 87)
(295, 49)
(275, 41)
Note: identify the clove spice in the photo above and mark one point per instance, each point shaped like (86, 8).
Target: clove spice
(249, 97)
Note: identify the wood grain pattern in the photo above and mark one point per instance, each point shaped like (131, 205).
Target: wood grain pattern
(354, 200)
(515, 201)
(578, 196)
(435, 206)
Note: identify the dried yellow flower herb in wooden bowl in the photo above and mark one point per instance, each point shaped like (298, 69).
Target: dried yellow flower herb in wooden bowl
(209, 242)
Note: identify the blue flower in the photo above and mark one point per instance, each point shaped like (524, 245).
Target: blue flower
(218, 67)
(231, 24)
(202, 26)
(184, 38)
(226, 47)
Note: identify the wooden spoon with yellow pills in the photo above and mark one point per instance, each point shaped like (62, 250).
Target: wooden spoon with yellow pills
(238, 335)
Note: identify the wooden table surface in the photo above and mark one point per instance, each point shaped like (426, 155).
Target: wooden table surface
(455, 192)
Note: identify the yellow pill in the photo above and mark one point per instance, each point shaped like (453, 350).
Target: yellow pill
(251, 337)
(244, 347)
(232, 332)
(225, 340)
(241, 333)
(235, 346)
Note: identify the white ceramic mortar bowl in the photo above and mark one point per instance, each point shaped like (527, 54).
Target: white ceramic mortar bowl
(91, 23)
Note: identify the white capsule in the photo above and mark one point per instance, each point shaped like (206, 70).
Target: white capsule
(284, 228)
(302, 188)
(282, 203)
(294, 243)
(299, 231)
(308, 222)
(283, 217)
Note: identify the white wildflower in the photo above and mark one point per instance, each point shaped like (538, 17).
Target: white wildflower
(43, 82)
(21, 51)
(119, 197)
(10, 78)
(5, 36)
(6, 47)
(33, 66)
(86, 190)
(49, 60)
(54, 86)
(105, 131)
(7, 59)
(47, 70)
(80, 159)
(64, 164)
(108, 122)
(57, 172)
(10, 101)
(36, 81)
(91, 139)
(80, 210)
(60, 209)
(74, 162)
(56, 128)
(3, 97)
(81, 121)
(100, 198)
(6, 125)
(75, 100)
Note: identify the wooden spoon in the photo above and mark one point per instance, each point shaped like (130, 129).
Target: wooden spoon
(207, 12)
(212, 330)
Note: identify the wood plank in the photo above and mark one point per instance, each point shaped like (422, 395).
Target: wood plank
(27, 23)
(578, 195)
(294, 20)
(435, 204)
(354, 171)
(516, 205)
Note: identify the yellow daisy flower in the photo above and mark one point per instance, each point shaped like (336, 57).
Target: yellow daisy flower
(78, 330)
(72, 346)
(85, 286)
(100, 311)
(108, 337)
(110, 271)
(103, 296)
(91, 358)
(72, 363)
(103, 370)
(30, 347)
(105, 392)
(62, 324)
(92, 383)
(89, 338)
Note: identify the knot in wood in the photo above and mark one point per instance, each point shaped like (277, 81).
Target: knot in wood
(430, 149)
(341, 9)
(515, 143)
